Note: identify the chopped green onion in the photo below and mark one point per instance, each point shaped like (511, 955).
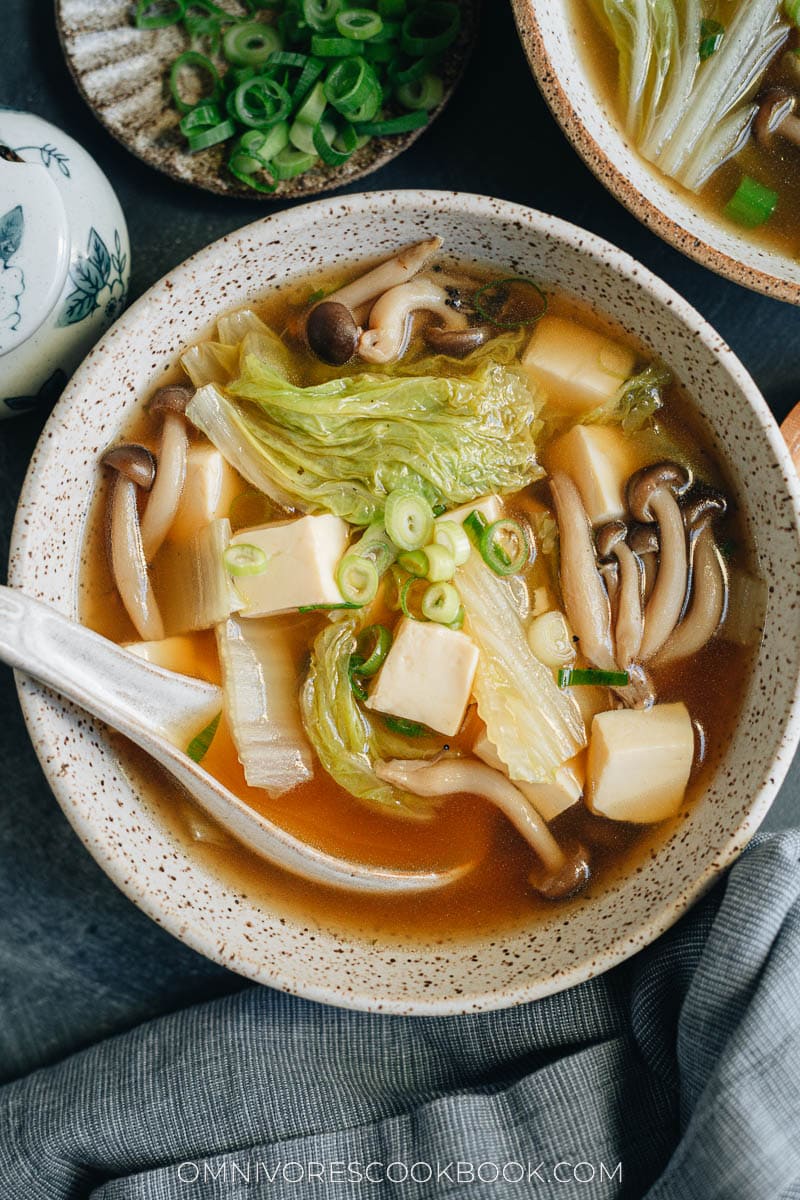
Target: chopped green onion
(400, 76)
(350, 83)
(192, 60)
(405, 124)
(157, 14)
(409, 519)
(430, 28)
(248, 177)
(458, 622)
(320, 15)
(425, 93)
(504, 546)
(211, 137)
(243, 558)
(574, 677)
(260, 102)
(354, 672)
(312, 108)
(333, 47)
(373, 645)
(324, 136)
(311, 608)
(357, 578)
(204, 116)
(359, 24)
(475, 524)
(290, 163)
(250, 44)
(308, 77)
(712, 35)
(455, 538)
(394, 9)
(406, 728)
(415, 562)
(751, 204)
(198, 746)
(441, 603)
(302, 137)
(374, 543)
(493, 300)
(441, 563)
(411, 594)
(550, 640)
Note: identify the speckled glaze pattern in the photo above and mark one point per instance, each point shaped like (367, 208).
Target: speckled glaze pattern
(121, 72)
(557, 60)
(120, 824)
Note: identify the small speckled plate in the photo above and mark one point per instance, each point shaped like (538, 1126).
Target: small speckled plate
(122, 824)
(558, 61)
(121, 73)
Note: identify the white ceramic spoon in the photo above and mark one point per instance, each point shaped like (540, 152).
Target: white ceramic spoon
(161, 711)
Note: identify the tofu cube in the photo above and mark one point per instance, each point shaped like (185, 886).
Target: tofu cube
(600, 460)
(302, 557)
(491, 507)
(639, 762)
(210, 487)
(427, 676)
(577, 368)
(549, 799)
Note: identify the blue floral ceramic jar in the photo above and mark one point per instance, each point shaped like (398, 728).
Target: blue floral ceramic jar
(64, 259)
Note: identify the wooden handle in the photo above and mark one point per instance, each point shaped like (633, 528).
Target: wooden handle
(791, 432)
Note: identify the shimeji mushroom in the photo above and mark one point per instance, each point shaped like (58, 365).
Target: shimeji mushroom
(162, 504)
(390, 319)
(708, 587)
(332, 326)
(585, 595)
(456, 343)
(561, 873)
(134, 467)
(776, 116)
(652, 499)
(643, 541)
(629, 621)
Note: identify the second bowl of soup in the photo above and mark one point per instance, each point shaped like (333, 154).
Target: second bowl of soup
(462, 528)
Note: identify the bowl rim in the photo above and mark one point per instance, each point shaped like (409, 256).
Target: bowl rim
(200, 937)
(604, 168)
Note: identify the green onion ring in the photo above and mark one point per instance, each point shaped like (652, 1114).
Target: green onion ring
(320, 15)
(211, 137)
(409, 596)
(333, 47)
(160, 18)
(243, 559)
(492, 318)
(415, 562)
(493, 545)
(349, 83)
(324, 136)
(405, 124)
(192, 60)
(354, 671)
(425, 93)
(358, 24)
(260, 103)
(406, 728)
(408, 518)
(455, 538)
(290, 163)
(250, 44)
(446, 19)
(441, 603)
(357, 579)
(475, 524)
(373, 645)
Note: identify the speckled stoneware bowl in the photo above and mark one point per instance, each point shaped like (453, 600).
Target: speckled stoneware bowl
(121, 824)
(558, 61)
(121, 72)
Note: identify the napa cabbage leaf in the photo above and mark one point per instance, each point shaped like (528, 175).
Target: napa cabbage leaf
(636, 402)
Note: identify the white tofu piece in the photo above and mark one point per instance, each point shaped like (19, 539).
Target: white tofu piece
(591, 700)
(549, 799)
(639, 762)
(180, 654)
(491, 507)
(427, 676)
(577, 368)
(302, 557)
(210, 487)
(600, 460)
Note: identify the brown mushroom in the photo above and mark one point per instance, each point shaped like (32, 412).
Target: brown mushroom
(456, 343)
(629, 621)
(332, 332)
(708, 581)
(390, 319)
(585, 595)
(446, 776)
(170, 403)
(133, 467)
(776, 116)
(652, 498)
(643, 541)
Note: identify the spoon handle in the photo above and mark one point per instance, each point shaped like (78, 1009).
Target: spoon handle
(127, 692)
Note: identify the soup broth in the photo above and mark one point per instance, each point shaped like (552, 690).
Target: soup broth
(497, 893)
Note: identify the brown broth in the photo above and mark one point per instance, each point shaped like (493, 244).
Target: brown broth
(776, 166)
(496, 894)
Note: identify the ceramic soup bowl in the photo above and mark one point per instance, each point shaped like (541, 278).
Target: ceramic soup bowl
(559, 62)
(121, 821)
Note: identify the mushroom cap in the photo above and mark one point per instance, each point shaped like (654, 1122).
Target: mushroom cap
(643, 539)
(132, 461)
(173, 398)
(662, 476)
(700, 508)
(609, 536)
(332, 333)
(457, 343)
(774, 106)
(571, 878)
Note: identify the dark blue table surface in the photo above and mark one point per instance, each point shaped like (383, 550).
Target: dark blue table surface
(496, 135)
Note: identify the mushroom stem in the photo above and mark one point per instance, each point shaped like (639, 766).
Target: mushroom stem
(708, 580)
(128, 562)
(629, 619)
(397, 270)
(162, 503)
(652, 498)
(451, 775)
(390, 318)
(585, 596)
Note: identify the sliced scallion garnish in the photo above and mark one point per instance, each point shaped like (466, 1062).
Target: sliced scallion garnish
(357, 578)
(415, 562)
(504, 546)
(157, 14)
(198, 64)
(455, 538)
(372, 646)
(577, 677)
(250, 44)
(360, 24)
(441, 563)
(752, 204)
(243, 558)
(199, 745)
(430, 28)
(441, 603)
(475, 523)
(711, 37)
(406, 728)
(409, 519)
